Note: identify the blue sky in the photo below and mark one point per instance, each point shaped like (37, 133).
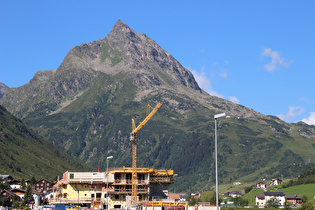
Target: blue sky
(259, 54)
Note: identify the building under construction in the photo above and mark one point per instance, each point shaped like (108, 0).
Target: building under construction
(89, 189)
(118, 187)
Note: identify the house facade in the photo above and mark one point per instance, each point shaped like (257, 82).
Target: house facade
(89, 189)
(235, 194)
(261, 185)
(6, 178)
(275, 182)
(6, 197)
(293, 200)
(42, 185)
(278, 195)
(19, 192)
(14, 184)
(262, 199)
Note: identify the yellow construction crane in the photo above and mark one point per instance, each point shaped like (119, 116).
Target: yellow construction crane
(133, 138)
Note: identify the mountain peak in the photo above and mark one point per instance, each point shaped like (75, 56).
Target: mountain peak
(141, 52)
(120, 26)
(123, 33)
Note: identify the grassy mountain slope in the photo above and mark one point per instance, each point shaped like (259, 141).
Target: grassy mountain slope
(24, 153)
(86, 107)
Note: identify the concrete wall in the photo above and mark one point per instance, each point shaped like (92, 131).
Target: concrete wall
(203, 208)
(158, 190)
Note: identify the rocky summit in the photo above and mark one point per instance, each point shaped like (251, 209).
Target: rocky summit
(85, 107)
(3, 89)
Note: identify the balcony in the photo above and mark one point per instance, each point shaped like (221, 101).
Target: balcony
(129, 182)
(128, 191)
(161, 179)
(68, 201)
(86, 177)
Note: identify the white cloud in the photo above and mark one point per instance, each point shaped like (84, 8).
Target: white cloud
(224, 74)
(310, 120)
(276, 60)
(205, 83)
(292, 113)
(305, 100)
(234, 99)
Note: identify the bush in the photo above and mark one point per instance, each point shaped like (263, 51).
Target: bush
(248, 189)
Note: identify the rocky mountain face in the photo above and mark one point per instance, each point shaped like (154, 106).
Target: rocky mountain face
(3, 89)
(85, 107)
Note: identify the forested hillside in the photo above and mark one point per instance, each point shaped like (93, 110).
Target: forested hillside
(24, 153)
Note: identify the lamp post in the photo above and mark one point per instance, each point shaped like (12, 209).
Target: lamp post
(76, 188)
(109, 157)
(216, 157)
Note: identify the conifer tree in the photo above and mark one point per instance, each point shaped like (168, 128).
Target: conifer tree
(33, 181)
(22, 183)
(28, 197)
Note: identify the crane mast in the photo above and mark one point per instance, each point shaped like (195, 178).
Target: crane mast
(133, 138)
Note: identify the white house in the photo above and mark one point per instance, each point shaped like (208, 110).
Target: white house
(260, 200)
(261, 185)
(15, 184)
(278, 195)
(235, 194)
(275, 182)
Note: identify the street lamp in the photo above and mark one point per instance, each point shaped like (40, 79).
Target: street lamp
(216, 157)
(76, 188)
(109, 157)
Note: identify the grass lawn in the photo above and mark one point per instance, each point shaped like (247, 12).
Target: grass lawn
(251, 196)
(306, 189)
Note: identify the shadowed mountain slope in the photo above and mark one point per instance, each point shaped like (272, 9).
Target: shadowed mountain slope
(25, 154)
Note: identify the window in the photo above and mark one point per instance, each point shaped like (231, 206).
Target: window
(141, 176)
(71, 176)
(117, 176)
